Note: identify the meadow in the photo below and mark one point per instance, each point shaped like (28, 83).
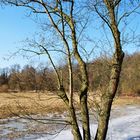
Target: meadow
(16, 104)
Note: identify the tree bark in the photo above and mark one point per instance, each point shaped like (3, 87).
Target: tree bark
(73, 120)
(71, 110)
(107, 99)
(108, 96)
(83, 94)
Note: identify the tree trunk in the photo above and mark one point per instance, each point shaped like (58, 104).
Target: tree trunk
(85, 116)
(107, 98)
(73, 120)
(83, 97)
(84, 87)
(75, 129)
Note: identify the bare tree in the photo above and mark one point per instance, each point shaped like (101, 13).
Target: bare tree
(111, 14)
(61, 17)
(62, 20)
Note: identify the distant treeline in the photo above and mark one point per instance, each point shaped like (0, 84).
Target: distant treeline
(42, 78)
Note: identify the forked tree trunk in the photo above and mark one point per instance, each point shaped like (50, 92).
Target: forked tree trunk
(83, 97)
(83, 94)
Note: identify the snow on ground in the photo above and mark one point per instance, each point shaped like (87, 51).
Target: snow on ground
(124, 126)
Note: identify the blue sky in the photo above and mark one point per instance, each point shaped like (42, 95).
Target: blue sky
(15, 27)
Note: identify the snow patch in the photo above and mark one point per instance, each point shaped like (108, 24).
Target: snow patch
(126, 127)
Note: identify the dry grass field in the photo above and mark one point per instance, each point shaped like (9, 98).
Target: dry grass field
(127, 100)
(14, 104)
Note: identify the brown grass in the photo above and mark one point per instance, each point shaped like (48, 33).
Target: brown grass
(126, 100)
(14, 104)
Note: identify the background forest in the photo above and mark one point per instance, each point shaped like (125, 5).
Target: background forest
(42, 78)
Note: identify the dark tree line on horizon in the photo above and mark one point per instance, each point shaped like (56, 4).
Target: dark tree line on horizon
(42, 79)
